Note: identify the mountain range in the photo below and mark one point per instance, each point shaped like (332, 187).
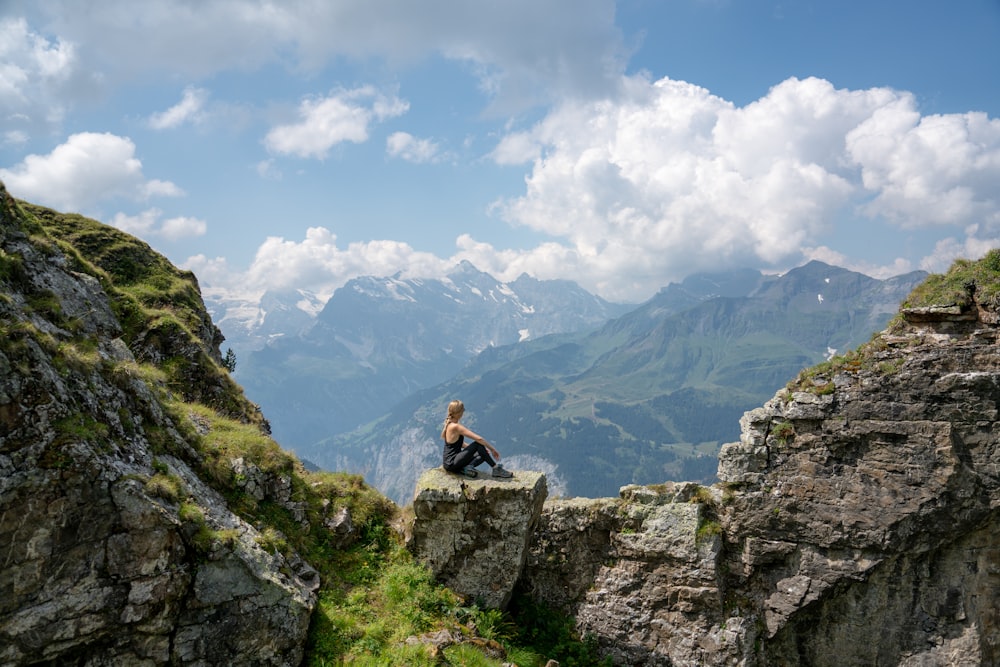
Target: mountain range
(378, 340)
(596, 395)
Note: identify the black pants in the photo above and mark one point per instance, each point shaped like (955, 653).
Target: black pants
(471, 455)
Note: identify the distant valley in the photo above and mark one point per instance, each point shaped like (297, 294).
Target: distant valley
(597, 395)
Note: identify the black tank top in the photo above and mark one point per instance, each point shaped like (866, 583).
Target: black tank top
(451, 450)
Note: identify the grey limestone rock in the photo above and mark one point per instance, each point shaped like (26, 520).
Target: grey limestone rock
(474, 533)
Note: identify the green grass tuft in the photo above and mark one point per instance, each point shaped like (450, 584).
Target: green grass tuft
(965, 281)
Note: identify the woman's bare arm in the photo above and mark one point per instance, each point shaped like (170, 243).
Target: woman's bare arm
(477, 438)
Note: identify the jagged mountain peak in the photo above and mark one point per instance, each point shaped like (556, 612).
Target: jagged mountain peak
(706, 285)
(393, 288)
(817, 282)
(466, 268)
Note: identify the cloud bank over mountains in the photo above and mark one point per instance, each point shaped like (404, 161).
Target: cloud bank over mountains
(670, 179)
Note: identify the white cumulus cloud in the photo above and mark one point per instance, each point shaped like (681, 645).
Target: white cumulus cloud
(324, 122)
(39, 77)
(405, 146)
(928, 171)
(318, 264)
(267, 170)
(189, 109)
(89, 167)
(669, 179)
(148, 224)
(182, 227)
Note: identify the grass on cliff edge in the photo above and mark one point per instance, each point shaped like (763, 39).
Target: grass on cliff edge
(966, 281)
(965, 284)
(158, 305)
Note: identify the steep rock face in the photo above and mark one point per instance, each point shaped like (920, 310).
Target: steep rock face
(864, 530)
(474, 533)
(639, 572)
(112, 549)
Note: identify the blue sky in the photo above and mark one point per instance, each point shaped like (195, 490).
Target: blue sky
(623, 145)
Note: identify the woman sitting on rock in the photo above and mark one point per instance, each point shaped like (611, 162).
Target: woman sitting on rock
(462, 457)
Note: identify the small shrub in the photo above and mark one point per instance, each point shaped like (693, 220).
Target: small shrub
(273, 540)
(494, 624)
(229, 361)
(12, 270)
(191, 513)
(195, 527)
(166, 486)
(467, 655)
(890, 367)
(80, 355)
(707, 530)
(55, 457)
(825, 389)
(783, 431)
(551, 633)
(703, 495)
(79, 428)
(46, 304)
(227, 537)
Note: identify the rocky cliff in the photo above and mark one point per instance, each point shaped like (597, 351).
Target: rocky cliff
(855, 523)
(118, 543)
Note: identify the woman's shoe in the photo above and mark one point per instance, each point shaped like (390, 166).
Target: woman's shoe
(500, 471)
(471, 472)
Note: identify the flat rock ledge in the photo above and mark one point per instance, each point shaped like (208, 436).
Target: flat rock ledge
(474, 533)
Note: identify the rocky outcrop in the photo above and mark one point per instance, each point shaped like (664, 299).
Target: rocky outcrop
(113, 550)
(474, 533)
(864, 529)
(96, 571)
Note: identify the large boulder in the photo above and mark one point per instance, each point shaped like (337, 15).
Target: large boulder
(474, 533)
